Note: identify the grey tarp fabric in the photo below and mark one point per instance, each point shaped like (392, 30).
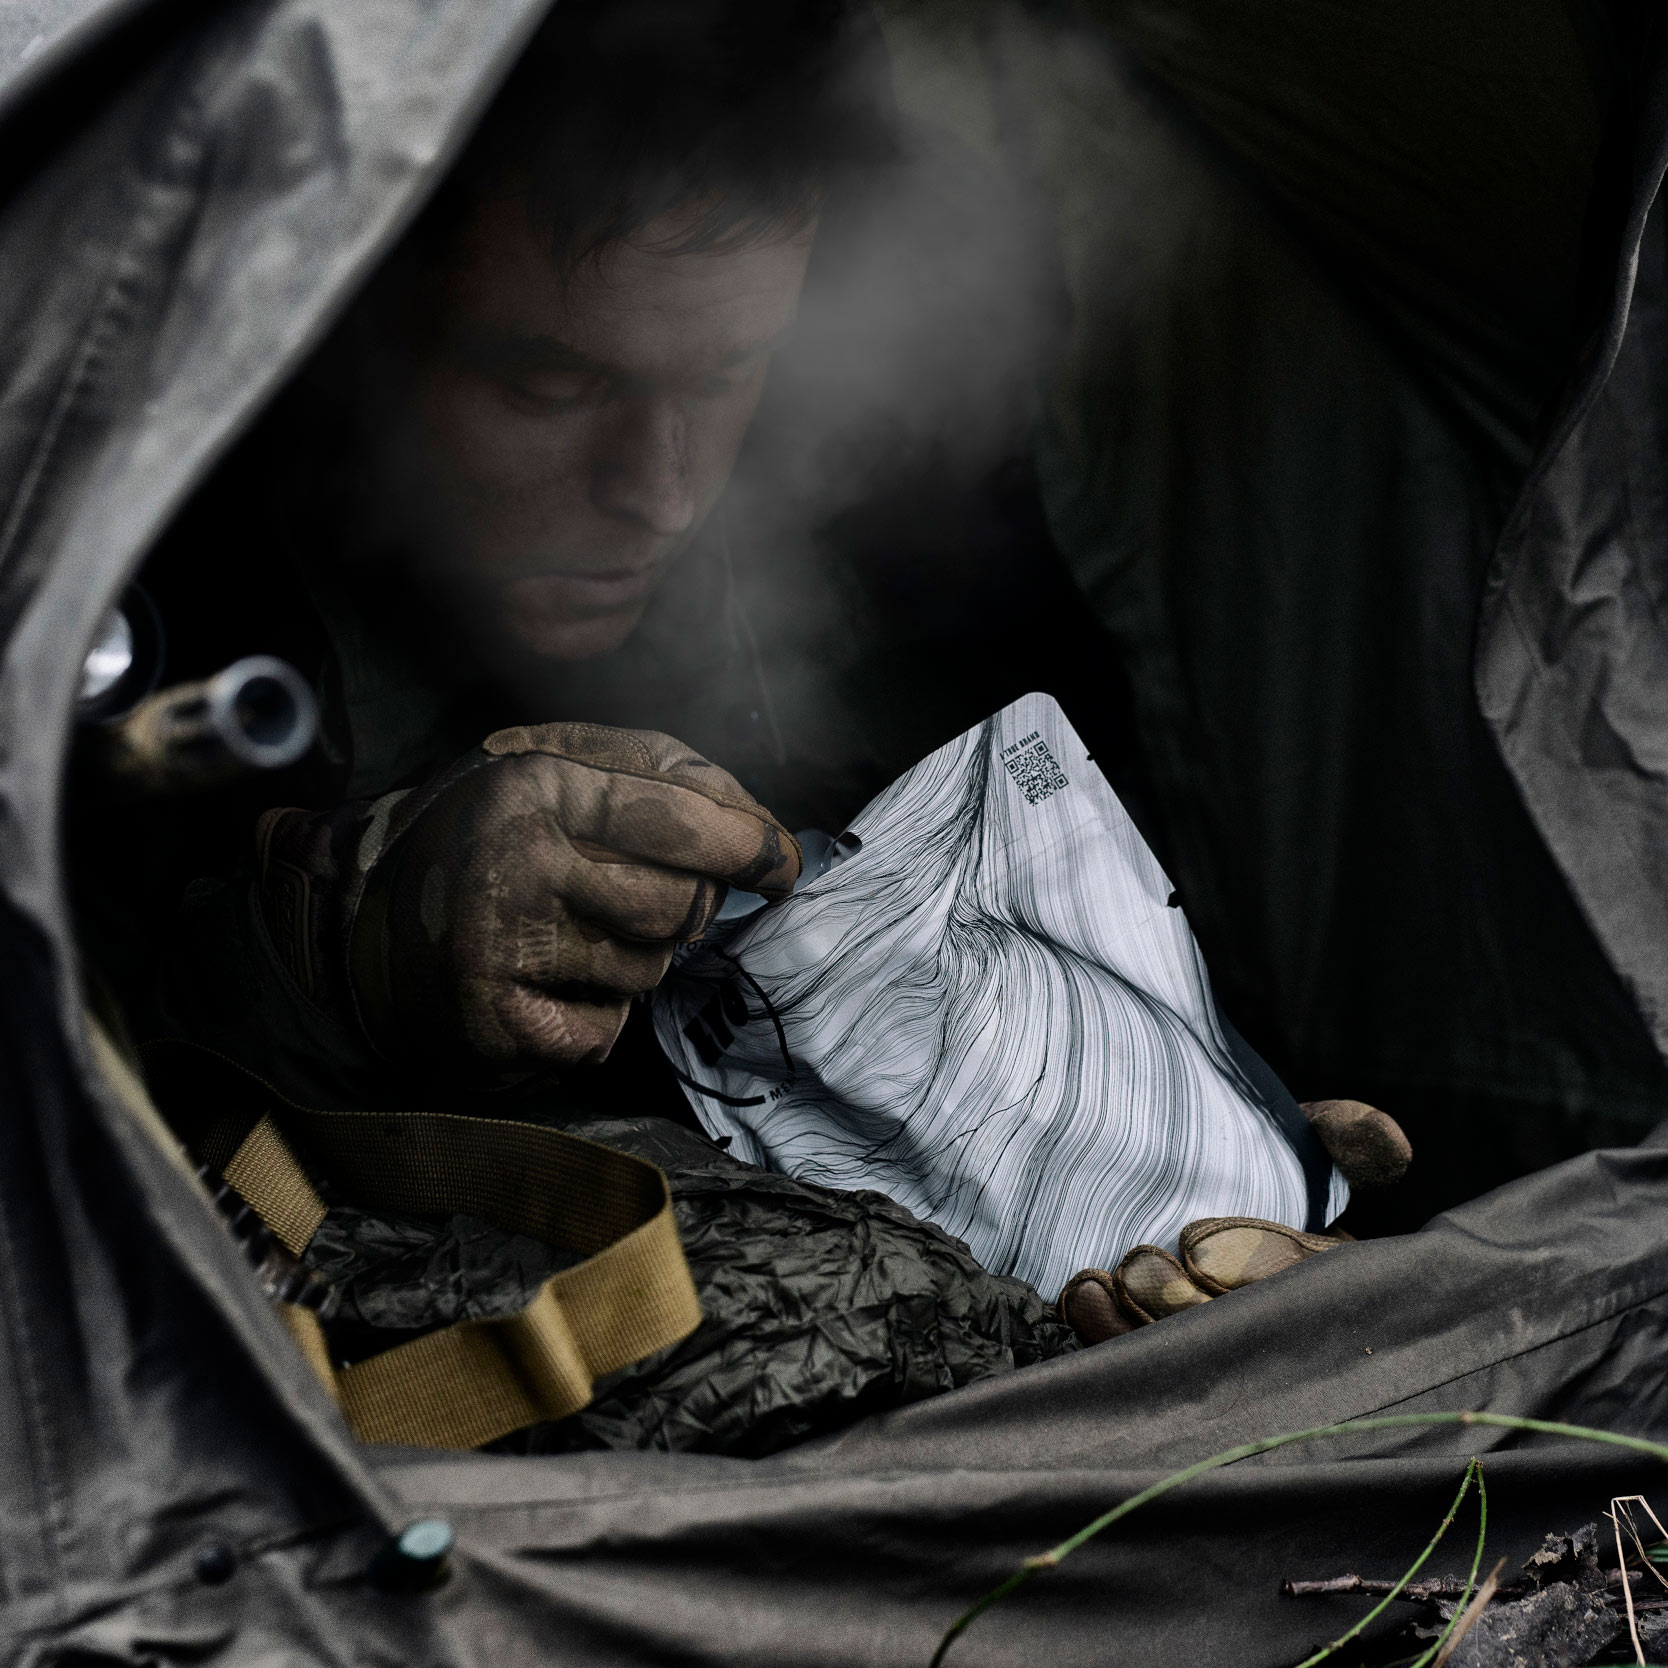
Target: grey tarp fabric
(1572, 667)
(1314, 334)
(186, 191)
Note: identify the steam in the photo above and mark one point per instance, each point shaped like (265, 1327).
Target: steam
(929, 306)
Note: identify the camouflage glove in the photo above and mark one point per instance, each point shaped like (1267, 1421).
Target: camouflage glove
(508, 912)
(1219, 1254)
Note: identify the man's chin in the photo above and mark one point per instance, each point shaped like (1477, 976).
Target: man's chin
(555, 638)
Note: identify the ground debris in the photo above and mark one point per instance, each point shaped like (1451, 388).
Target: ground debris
(1564, 1610)
(1572, 1558)
(1561, 1626)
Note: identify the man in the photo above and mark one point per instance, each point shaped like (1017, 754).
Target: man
(487, 474)
(488, 494)
(545, 456)
(491, 498)
(487, 503)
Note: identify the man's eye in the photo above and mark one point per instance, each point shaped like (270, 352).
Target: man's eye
(560, 391)
(718, 387)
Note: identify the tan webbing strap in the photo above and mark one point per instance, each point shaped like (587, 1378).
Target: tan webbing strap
(303, 1325)
(478, 1380)
(265, 1172)
(481, 1379)
(448, 1389)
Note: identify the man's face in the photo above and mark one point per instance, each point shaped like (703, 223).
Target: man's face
(565, 435)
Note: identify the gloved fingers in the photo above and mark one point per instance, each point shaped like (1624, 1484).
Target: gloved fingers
(524, 862)
(1367, 1145)
(678, 827)
(648, 753)
(530, 1026)
(657, 819)
(1219, 1254)
(523, 905)
(1151, 1284)
(636, 900)
(557, 954)
(1222, 1253)
(1089, 1305)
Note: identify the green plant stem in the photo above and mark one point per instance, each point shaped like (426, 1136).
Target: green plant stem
(1473, 1472)
(1393, 1421)
(1471, 1579)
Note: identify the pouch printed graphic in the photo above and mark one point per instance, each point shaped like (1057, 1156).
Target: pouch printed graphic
(990, 1013)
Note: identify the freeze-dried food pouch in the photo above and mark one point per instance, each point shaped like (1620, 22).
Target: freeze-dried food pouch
(992, 1010)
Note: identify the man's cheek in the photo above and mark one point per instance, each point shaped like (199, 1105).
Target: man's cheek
(717, 434)
(480, 436)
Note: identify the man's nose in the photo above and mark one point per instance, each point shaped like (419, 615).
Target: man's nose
(643, 473)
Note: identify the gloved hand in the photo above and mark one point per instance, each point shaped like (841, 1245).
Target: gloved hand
(507, 912)
(1219, 1254)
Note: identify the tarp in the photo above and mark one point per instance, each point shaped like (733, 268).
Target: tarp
(1328, 277)
(187, 193)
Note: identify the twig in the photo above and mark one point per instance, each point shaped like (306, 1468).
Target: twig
(1652, 1515)
(1626, 1502)
(1427, 1592)
(1473, 1473)
(1394, 1421)
(1415, 1592)
(1447, 1639)
(1467, 1619)
(1627, 1589)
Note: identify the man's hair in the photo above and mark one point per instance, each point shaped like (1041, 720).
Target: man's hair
(747, 113)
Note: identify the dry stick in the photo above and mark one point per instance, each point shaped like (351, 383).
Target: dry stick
(1627, 1589)
(1395, 1421)
(1468, 1619)
(1659, 1529)
(1448, 1638)
(1473, 1472)
(1627, 1502)
(1438, 1587)
(1377, 1586)
(1621, 1510)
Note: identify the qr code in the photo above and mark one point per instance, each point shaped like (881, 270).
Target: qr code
(1037, 773)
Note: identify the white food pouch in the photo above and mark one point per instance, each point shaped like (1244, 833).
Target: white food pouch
(992, 1013)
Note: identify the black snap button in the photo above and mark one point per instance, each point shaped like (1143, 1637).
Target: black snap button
(214, 1562)
(418, 1557)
